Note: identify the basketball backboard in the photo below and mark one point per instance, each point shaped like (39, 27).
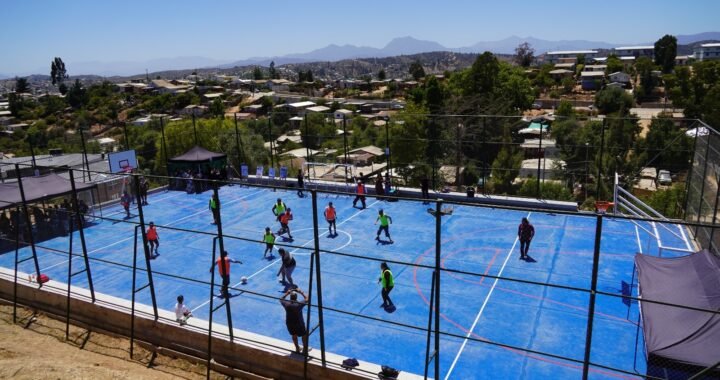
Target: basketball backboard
(121, 162)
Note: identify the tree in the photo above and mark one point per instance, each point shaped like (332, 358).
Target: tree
(309, 76)
(565, 109)
(77, 95)
(21, 85)
(666, 145)
(272, 72)
(644, 67)
(416, 70)
(58, 73)
(483, 75)
(524, 54)
(613, 99)
(381, 74)
(665, 52)
(506, 165)
(257, 73)
(217, 108)
(614, 64)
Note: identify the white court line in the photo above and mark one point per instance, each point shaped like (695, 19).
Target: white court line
(132, 237)
(292, 252)
(482, 308)
(637, 236)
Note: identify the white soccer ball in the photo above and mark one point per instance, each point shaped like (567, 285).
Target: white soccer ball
(243, 280)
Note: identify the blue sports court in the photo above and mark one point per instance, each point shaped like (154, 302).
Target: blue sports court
(499, 328)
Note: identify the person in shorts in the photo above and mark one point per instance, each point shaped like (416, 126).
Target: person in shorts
(269, 239)
(153, 240)
(294, 320)
(182, 313)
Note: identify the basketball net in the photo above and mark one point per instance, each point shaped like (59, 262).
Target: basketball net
(602, 206)
(125, 170)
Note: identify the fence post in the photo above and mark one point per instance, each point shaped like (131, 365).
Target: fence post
(702, 189)
(28, 222)
(241, 151)
(690, 174)
(600, 165)
(146, 249)
(316, 255)
(81, 230)
(164, 149)
(593, 289)
(438, 248)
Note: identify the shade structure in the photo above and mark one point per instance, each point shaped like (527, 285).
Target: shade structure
(198, 154)
(684, 336)
(38, 188)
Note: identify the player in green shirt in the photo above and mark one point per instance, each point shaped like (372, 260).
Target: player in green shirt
(385, 222)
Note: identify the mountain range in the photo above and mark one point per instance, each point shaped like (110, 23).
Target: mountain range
(398, 46)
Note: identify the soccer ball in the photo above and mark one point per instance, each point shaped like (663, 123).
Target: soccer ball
(243, 280)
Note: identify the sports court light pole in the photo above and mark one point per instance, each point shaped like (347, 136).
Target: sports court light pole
(540, 158)
(600, 165)
(387, 143)
(195, 128)
(164, 147)
(87, 163)
(237, 141)
(587, 147)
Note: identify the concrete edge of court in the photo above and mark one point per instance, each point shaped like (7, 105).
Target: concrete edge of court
(249, 352)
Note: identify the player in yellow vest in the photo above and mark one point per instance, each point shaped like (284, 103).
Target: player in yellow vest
(388, 282)
(385, 222)
(269, 239)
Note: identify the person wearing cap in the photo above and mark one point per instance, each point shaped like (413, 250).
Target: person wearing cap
(278, 209)
(153, 240)
(287, 267)
(182, 313)
(223, 264)
(331, 217)
(360, 190)
(294, 320)
(269, 239)
(385, 222)
(526, 232)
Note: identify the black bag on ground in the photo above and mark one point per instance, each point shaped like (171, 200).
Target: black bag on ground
(388, 373)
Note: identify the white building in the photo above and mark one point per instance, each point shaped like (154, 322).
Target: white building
(556, 56)
(707, 51)
(635, 51)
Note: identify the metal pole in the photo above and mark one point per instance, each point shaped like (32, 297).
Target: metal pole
(458, 179)
(81, 230)
(269, 125)
(146, 249)
(484, 154)
(702, 188)
(429, 328)
(132, 296)
(538, 194)
(17, 253)
(438, 249)
(387, 144)
(87, 163)
(222, 249)
(69, 281)
(127, 139)
(345, 144)
(690, 173)
(306, 140)
(587, 146)
(715, 210)
(237, 141)
(212, 309)
(600, 165)
(316, 255)
(593, 290)
(28, 223)
(32, 151)
(164, 147)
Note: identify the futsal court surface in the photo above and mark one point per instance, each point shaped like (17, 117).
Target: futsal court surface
(504, 314)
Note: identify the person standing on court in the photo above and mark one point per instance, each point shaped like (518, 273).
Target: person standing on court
(223, 264)
(125, 202)
(294, 317)
(425, 189)
(331, 217)
(388, 282)
(269, 239)
(385, 222)
(286, 267)
(379, 191)
(360, 194)
(526, 232)
(278, 209)
(144, 188)
(214, 207)
(153, 240)
(300, 183)
(285, 219)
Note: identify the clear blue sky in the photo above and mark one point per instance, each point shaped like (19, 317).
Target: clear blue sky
(32, 32)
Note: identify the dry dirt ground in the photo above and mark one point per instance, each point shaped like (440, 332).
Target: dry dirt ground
(40, 351)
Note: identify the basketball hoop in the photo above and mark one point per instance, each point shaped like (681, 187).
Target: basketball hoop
(601, 207)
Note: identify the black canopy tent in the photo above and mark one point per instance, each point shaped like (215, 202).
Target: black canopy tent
(197, 159)
(680, 341)
(38, 189)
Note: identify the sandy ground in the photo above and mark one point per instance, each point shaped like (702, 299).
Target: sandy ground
(40, 351)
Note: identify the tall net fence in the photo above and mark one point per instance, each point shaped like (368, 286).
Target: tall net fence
(434, 338)
(702, 186)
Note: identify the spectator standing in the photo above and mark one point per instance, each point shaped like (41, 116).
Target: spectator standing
(300, 183)
(379, 191)
(425, 189)
(144, 188)
(293, 317)
(124, 201)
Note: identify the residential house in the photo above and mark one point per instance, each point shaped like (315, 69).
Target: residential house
(595, 68)
(253, 109)
(12, 128)
(559, 74)
(591, 80)
(646, 185)
(635, 51)
(299, 108)
(165, 87)
(550, 168)
(194, 110)
(318, 109)
(363, 156)
(341, 113)
(620, 78)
